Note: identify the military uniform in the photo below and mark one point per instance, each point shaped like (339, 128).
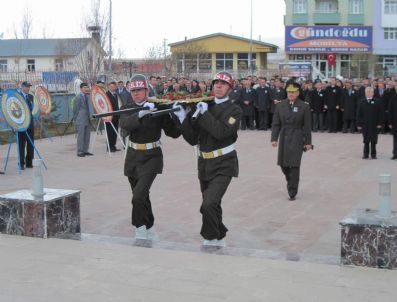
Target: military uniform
(215, 133)
(144, 160)
(292, 128)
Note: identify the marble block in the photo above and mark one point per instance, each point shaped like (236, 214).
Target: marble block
(57, 215)
(369, 240)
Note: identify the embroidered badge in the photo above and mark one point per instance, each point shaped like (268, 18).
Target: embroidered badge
(295, 109)
(232, 120)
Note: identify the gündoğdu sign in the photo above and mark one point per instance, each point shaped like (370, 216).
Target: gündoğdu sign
(345, 39)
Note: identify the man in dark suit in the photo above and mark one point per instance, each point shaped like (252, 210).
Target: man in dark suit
(291, 132)
(124, 94)
(23, 140)
(112, 127)
(370, 121)
(81, 117)
(384, 96)
(263, 103)
(316, 101)
(349, 107)
(247, 100)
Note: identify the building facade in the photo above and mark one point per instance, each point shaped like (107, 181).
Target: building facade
(342, 37)
(220, 52)
(385, 37)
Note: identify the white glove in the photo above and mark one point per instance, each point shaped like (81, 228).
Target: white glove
(142, 113)
(181, 113)
(203, 106)
(150, 105)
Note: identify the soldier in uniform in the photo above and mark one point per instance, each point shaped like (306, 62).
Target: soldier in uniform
(144, 158)
(215, 132)
(278, 93)
(370, 121)
(291, 132)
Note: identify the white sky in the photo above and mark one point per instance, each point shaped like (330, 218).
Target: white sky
(138, 25)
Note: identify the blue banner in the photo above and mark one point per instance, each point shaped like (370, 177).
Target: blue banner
(341, 39)
(59, 77)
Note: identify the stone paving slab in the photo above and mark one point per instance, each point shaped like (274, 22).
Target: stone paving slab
(37, 270)
(334, 180)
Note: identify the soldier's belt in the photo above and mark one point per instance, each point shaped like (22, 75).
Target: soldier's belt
(216, 153)
(147, 146)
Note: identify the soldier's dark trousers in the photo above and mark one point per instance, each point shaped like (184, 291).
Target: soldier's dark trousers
(366, 149)
(213, 191)
(24, 141)
(332, 117)
(292, 177)
(263, 120)
(141, 207)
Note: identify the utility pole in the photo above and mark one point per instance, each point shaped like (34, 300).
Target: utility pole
(250, 67)
(110, 35)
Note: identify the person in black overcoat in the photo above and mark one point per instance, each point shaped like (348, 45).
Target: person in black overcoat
(316, 101)
(332, 103)
(370, 121)
(393, 120)
(349, 107)
(263, 103)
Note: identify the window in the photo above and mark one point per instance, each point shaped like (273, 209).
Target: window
(205, 62)
(31, 65)
(390, 7)
(242, 61)
(224, 61)
(3, 65)
(327, 6)
(300, 58)
(58, 64)
(300, 7)
(390, 33)
(356, 7)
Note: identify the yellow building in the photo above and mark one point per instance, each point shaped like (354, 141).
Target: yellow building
(219, 52)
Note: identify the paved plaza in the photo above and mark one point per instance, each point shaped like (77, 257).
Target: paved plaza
(262, 224)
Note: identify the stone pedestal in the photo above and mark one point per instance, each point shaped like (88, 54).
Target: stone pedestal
(57, 215)
(369, 240)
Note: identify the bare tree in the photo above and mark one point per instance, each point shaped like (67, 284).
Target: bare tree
(26, 24)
